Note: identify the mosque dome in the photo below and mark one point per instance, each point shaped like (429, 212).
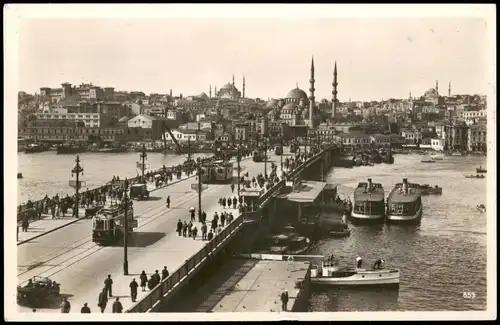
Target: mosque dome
(272, 103)
(227, 86)
(297, 94)
(290, 108)
(203, 95)
(431, 93)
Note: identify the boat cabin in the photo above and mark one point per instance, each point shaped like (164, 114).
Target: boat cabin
(300, 199)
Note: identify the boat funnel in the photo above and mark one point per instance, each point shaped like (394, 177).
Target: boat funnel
(405, 185)
(369, 184)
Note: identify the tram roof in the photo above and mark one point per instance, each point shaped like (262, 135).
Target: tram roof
(307, 193)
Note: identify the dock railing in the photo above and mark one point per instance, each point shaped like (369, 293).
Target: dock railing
(173, 280)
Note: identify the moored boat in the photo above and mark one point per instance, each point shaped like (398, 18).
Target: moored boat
(481, 208)
(480, 170)
(475, 176)
(368, 202)
(71, 149)
(329, 273)
(405, 202)
(427, 189)
(35, 148)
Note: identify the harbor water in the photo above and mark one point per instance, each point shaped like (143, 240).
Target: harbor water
(440, 258)
(49, 173)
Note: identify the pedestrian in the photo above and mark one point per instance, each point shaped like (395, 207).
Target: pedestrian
(203, 217)
(223, 219)
(156, 277)
(359, 262)
(210, 235)
(223, 202)
(151, 283)
(179, 227)
(103, 300)
(144, 280)
(204, 231)
(108, 285)
(232, 188)
(190, 228)
(117, 306)
(164, 273)
(133, 290)
(168, 202)
(85, 309)
(214, 224)
(184, 228)
(194, 232)
(235, 202)
(192, 211)
(65, 306)
(284, 300)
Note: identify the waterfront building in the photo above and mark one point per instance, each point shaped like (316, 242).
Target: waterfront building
(456, 136)
(356, 140)
(437, 144)
(150, 122)
(477, 137)
(185, 135)
(87, 119)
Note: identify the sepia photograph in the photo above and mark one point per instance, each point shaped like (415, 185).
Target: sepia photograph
(288, 162)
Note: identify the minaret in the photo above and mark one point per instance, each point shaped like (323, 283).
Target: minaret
(233, 80)
(409, 96)
(334, 91)
(210, 92)
(437, 87)
(243, 87)
(215, 91)
(449, 89)
(311, 96)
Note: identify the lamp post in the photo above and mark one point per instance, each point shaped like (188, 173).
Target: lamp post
(125, 231)
(305, 143)
(281, 156)
(238, 159)
(265, 157)
(200, 183)
(143, 156)
(77, 170)
(189, 149)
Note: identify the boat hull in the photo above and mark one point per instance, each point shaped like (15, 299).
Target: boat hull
(366, 217)
(360, 279)
(395, 218)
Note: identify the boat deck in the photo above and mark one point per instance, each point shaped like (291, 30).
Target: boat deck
(377, 194)
(397, 196)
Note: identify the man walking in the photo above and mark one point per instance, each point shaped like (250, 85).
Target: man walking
(103, 300)
(284, 300)
(108, 285)
(133, 289)
(164, 273)
(117, 306)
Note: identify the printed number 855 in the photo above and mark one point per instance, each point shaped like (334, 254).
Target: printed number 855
(469, 295)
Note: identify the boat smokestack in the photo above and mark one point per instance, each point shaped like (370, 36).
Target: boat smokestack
(369, 184)
(405, 185)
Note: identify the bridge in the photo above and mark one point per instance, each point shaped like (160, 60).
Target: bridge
(69, 257)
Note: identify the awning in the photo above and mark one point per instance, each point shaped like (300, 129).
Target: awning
(307, 193)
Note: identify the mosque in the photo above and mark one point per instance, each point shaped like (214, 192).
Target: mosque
(296, 108)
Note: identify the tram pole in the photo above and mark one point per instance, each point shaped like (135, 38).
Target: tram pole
(143, 156)
(125, 232)
(265, 157)
(77, 170)
(189, 149)
(238, 159)
(200, 183)
(281, 156)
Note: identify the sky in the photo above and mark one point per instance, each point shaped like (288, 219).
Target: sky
(376, 58)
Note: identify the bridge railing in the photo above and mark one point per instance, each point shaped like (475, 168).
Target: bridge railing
(154, 296)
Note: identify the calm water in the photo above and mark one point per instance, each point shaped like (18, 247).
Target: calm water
(49, 173)
(439, 259)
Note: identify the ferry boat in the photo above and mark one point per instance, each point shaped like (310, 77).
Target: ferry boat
(108, 223)
(405, 202)
(67, 149)
(329, 273)
(368, 202)
(480, 170)
(427, 189)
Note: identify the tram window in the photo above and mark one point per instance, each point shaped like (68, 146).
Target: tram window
(220, 170)
(111, 224)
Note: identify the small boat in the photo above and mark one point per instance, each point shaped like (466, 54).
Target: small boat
(428, 161)
(436, 156)
(288, 242)
(339, 230)
(474, 176)
(35, 148)
(111, 150)
(456, 153)
(68, 149)
(426, 189)
(481, 208)
(19, 175)
(328, 273)
(480, 170)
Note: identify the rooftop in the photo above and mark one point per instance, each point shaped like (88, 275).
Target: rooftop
(305, 192)
(398, 196)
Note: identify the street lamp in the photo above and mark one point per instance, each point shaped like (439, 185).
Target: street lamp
(143, 156)
(77, 170)
(200, 183)
(238, 159)
(281, 156)
(125, 232)
(265, 156)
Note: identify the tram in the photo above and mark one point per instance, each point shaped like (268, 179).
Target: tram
(108, 224)
(217, 172)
